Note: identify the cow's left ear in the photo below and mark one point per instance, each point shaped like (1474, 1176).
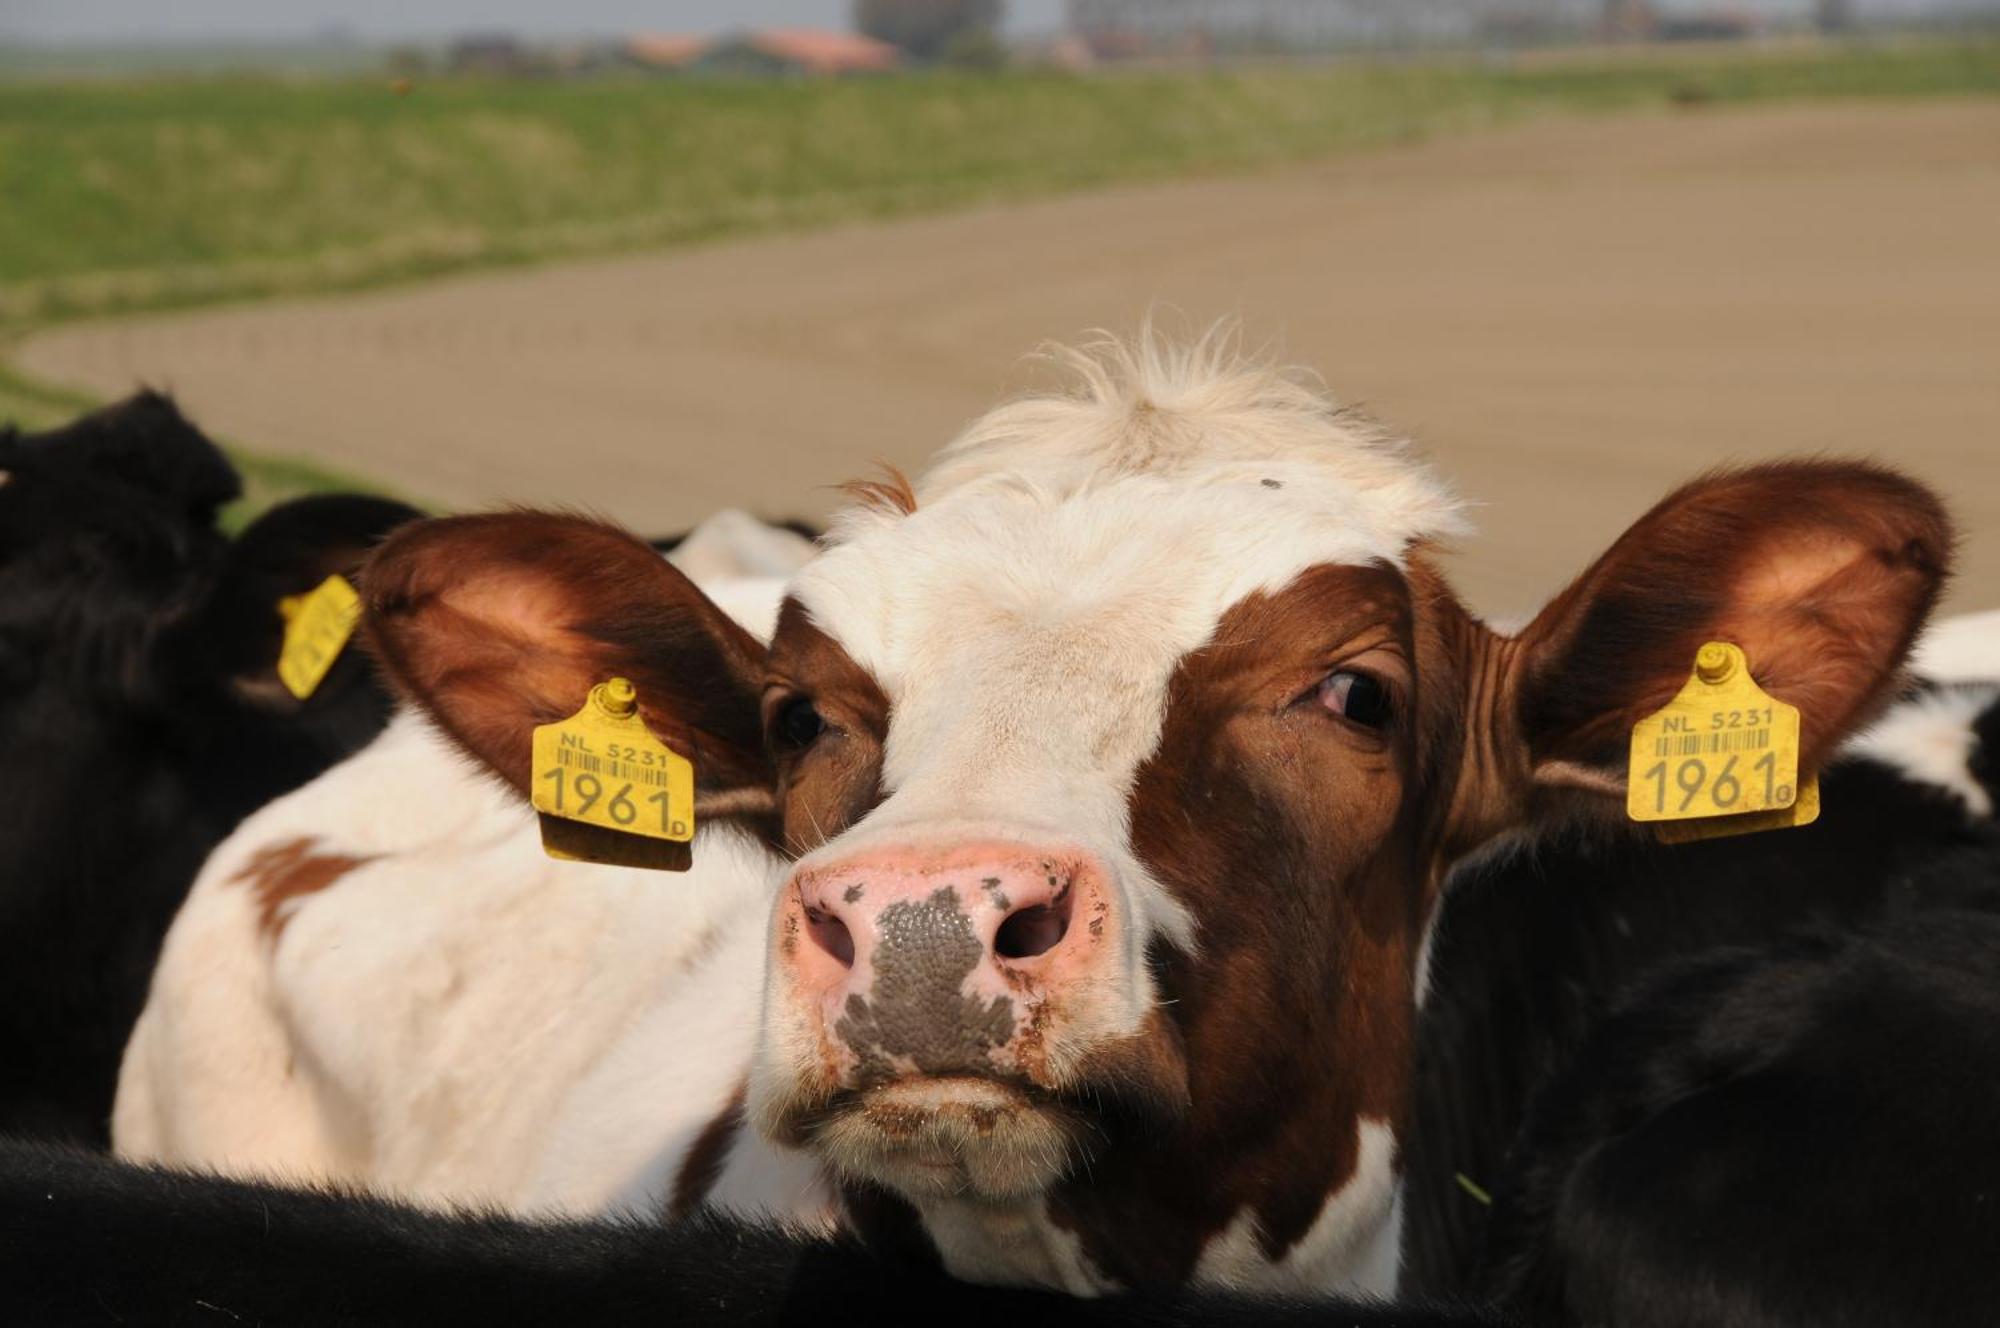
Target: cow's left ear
(500, 623)
(1822, 572)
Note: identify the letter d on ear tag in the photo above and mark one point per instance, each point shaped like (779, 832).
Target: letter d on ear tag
(1721, 758)
(608, 790)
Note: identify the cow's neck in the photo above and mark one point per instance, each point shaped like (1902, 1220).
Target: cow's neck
(1092, 1240)
(1283, 1176)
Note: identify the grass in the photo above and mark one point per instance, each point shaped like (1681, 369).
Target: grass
(267, 480)
(155, 193)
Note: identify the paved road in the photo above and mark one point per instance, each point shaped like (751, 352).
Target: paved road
(1570, 317)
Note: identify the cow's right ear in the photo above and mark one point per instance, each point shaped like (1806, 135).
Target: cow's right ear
(497, 624)
(1822, 572)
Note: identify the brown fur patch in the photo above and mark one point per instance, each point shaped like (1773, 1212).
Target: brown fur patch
(702, 1167)
(1294, 839)
(834, 782)
(891, 494)
(291, 869)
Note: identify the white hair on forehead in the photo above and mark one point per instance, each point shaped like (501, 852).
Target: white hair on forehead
(1199, 411)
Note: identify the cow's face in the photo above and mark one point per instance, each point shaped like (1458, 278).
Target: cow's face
(1120, 763)
(1088, 785)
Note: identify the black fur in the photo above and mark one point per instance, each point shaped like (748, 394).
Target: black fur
(1799, 1134)
(140, 720)
(1533, 949)
(84, 1240)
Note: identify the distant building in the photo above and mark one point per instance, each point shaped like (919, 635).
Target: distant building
(489, 53)
(1186, 28)
(663, 50)
(1115, 28)
(816, 51)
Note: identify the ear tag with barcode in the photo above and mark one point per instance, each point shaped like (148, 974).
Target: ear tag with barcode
(1722, 758)
(608, 790)
(317, 625)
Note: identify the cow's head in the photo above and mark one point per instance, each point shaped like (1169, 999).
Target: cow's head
(1121, 761)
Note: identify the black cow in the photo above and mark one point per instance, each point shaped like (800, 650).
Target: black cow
(1800, 1135)
(140, 719)
(85, 1240)
(1533, 950)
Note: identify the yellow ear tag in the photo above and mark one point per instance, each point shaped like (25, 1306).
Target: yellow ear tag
(1722, 758)
(608, 790)
(317, 625)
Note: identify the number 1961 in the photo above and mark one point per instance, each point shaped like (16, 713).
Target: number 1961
(1691, 776)
(589, 789)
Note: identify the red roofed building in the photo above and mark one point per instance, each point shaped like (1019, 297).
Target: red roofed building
(802, 51)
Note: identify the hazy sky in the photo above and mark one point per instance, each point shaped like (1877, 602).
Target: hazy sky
(139, 20)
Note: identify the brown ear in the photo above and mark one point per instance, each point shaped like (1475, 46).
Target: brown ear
(496, 624)
(1822, 572)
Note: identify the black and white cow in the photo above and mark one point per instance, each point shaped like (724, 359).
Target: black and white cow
(141, 718)
(1535, 946)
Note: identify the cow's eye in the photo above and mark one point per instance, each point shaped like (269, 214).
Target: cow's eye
(1356, 696)
(797, 723)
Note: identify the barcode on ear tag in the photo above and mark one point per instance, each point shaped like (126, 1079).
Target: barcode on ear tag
(608, 790)
(1721, 758)
(317, 625)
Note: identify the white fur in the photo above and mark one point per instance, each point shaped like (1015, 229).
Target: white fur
(1353, 1247)
(732, 545)
(465, 1019)
(1930, 741)
(1961, 649)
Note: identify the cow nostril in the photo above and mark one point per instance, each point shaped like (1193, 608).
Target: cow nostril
(830, 934)
(1030, 932)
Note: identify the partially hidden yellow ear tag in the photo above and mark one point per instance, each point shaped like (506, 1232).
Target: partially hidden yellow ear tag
(317, 625)
(1722, 758)
(608, 790)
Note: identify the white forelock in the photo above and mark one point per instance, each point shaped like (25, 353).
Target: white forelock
(1200, 414)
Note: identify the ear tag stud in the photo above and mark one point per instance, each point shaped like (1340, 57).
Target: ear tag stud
(608, 790)
(1722, 757)
(317, 625)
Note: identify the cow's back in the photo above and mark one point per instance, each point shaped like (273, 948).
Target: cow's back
(382, 979)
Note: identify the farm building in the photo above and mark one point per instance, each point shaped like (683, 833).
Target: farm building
(1192, 27)
(800, 51)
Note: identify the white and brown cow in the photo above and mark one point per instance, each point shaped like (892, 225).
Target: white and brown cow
(1072, 843)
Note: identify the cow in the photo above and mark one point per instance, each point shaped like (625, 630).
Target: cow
(1792, 1135)
(1535, 947)
(86, 1239)
(141, 718)
(1071, 847)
